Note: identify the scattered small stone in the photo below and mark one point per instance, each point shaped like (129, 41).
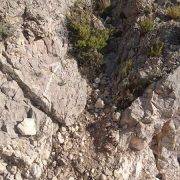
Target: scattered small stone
(96, 93)
(54, 178)
(27, 127)
(102, 177)
(9, 177)
(95, 115)
(71, 157)
(92, 170)
(95, 85)
(63, 129)
(116, 116)
(18, 176)
(72, 129)
(71, 178)
(115, 136)
(36, 171)
(76, 128)
(137, 144)
(118, 175)
(60, 138)
(114, 108)
(99, 104)
(2, 167)
(13, 169)
(97, 80)
(125, 126)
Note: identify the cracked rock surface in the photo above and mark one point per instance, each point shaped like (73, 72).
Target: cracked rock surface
(56, 125)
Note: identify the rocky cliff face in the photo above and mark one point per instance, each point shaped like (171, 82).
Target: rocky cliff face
(55, 125)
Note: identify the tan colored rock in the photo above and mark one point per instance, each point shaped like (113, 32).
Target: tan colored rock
(137, 144)
(99, 104)
(2, 167)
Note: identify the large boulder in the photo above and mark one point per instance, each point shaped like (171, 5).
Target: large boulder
(153, 121)
(35, 57)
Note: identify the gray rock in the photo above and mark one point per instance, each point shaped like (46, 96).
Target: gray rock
(97, 80)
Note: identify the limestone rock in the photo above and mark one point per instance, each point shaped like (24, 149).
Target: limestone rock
(99, 104)
(36, 171)
(2, 167)
(27, 127)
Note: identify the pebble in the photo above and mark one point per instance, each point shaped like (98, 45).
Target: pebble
(92, 170)
(116, 116)
(115, 136)
(96, 93)
(102, 177)
(54, 178)
(18, 176)
(63, 129)
(99, 104)
(71, 178)
(71, 157)
(114, 108)
(136, 144)
(2, 167)
(36, 171)
(27, 127)
(97, 80)
(13, 170)
(118, 175)
(60, 138)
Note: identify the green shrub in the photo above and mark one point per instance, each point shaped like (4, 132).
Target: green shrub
(146, 25)
(173, 12)
(5, 30)
(156, 49)
(126, 67)
(87, 40)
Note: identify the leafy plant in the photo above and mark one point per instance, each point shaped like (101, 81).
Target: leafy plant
(174, 12)
(87, 40)
(146, 25)
(156, 49)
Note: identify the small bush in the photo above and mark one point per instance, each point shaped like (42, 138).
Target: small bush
(87, 40)
(5, 30)
(156, 49)
(146, 25)
(174, 12)
(126, 67)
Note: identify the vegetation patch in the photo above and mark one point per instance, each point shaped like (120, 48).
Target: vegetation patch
(146, 25)
(156, 49)
(125, 68)
(5, 30)
(88, 39)
(174, 12)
